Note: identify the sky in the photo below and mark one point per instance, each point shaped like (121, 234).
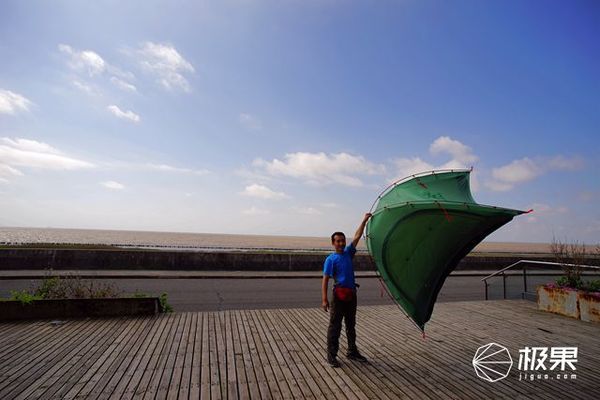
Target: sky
(290, 117)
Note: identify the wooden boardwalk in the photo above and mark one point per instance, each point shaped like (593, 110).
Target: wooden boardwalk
(280, 354)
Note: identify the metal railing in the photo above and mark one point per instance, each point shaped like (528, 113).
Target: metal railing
(536, 263)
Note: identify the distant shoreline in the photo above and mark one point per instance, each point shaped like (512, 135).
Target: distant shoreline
(151, 248)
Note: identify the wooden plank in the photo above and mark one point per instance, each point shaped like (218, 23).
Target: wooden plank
(272, 373)
(293, 356)
(22, 333)
(281, 354)
(23, 355)
(185, 361)
(221, 352)
(41, 361)
(196, 367)
(215, 375)
(250, 373)
(67, 372)
(205, 375)
(287, 378)
(259, 366)
(116, 371)
(172, 389)
(94, 352)
(134, 374)
(152, 369)
(243, 391)
(97, 369)
(122, 378)
(313, 362)
(317, 354)
(412, 355)
(163, 371)
(232, 378)
(315, 326)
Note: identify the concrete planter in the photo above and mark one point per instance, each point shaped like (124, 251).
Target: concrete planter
(589, 306)
(73, 308)
(570, 302)
(558, 300)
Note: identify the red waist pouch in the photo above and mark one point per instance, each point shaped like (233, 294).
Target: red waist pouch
(343, 293)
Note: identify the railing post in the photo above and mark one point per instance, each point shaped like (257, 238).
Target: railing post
(486, 289)
(504, 285)
(524, 280)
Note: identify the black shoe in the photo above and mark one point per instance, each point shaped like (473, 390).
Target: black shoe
(333, 362)
(355, 355)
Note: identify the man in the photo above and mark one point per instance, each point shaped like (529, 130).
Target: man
(343, 305)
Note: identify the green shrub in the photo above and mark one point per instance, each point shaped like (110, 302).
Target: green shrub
(164, 306)
(591, 286)
(138, 294)
(23, 296)
(569, 281)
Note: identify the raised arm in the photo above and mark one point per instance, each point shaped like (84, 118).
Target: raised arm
(360, 229)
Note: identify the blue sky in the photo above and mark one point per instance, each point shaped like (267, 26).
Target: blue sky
(289, 117)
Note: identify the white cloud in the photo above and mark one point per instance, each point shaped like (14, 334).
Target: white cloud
(545, 212)
(112, 185)
(498, 186)
(525, 169)
(321, 168)
(329, 205)
(6, 171)
(461, 154)
(255, 211)
(86, 88)
(170, 168)
(262, 192)
(129, 115)
(587, 195)
(250, 122)
(410, 166)
(561, 163)
(461, 157)
(91, 64)
(307, 210)
(123, 85)
(517, 171)
(165, 62)
(11, 102)
(86, 60)
(28, 153)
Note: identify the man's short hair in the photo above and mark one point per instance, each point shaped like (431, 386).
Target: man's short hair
(335, 234)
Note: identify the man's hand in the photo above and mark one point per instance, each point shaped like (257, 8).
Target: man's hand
(325, 305)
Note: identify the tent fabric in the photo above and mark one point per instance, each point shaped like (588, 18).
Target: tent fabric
(420, 229)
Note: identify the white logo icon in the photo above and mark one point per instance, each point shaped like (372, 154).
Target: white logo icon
(492, 362)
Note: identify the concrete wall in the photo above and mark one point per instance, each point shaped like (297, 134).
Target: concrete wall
(77, 308)
(17, 259)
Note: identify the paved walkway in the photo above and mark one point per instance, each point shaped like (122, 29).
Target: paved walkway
(279, 353)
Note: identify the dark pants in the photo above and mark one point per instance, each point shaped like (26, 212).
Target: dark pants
(341, 310)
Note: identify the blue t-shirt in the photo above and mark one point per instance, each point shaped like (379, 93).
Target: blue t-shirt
(339, 266)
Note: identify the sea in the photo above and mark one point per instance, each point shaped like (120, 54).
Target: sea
(207, 241)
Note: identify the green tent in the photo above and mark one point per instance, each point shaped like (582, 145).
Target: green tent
(421, 227)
